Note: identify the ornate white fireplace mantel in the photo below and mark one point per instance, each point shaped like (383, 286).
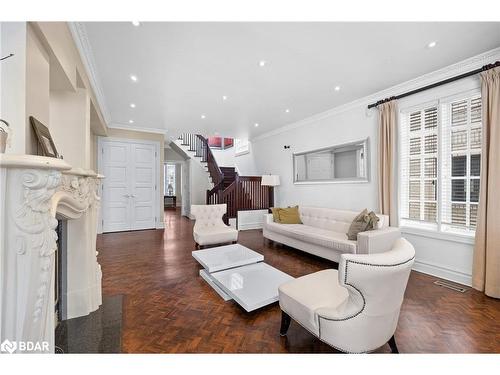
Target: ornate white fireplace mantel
(34, 191)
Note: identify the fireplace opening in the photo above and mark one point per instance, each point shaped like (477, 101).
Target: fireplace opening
(60, 271)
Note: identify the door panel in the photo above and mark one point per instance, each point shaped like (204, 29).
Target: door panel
(129, 187)
(143, 187)
(116, 168)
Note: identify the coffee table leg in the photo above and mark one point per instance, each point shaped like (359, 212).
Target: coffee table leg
(285, 323)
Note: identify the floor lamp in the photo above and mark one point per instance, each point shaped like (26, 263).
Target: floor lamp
(270, 180)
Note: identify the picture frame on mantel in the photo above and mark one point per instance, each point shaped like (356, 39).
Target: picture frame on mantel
(44, 138)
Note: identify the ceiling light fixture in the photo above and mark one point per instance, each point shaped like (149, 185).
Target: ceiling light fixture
(130, 121)
(132, 105)
(337, 88)
(133, 78)
(203, 116)
(256, 125)
(224, 97)
(287, 110)
(262, 63)
(136, 23)
(432, 44)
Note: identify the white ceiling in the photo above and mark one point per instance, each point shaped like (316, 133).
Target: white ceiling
(184, 69)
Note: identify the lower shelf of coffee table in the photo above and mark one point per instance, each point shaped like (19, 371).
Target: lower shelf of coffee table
(206, 276)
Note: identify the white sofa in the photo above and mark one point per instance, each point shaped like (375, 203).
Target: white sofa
(323, 232)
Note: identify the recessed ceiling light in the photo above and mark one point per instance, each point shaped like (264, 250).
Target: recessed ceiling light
(287, 110)
(136, 23)
(337, 88)
(133, 78)
(132, 105)
(432, 44)
(130, 121)
(262, 63)
(203, 116)
(256, 125)
(224, 97)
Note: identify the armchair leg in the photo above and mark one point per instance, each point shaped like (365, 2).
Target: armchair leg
(392, 344)
(285, 323)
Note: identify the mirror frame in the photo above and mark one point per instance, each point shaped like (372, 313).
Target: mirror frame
(365, 179)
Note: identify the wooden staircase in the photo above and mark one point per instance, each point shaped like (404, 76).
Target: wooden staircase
(238, 192)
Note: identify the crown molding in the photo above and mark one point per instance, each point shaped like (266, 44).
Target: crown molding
(79, 33)
(461, 67)
(117, 125)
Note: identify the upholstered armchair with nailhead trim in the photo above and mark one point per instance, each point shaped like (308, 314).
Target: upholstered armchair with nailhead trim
(355, 309)
(209, 229)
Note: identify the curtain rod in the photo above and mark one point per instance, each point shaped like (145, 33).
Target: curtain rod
(440, 83)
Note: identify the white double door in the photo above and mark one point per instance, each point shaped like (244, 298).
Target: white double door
(129, 189)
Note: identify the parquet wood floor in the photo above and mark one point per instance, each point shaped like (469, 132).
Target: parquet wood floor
(168, 308)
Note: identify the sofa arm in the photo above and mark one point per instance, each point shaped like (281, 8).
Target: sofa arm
(268, 218)
(377, 241)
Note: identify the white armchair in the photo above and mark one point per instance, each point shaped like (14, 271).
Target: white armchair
(209, 229)
(355, 309)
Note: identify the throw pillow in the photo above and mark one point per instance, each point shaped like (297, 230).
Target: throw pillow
(288, 215)
(359, 224)
(372, 221)
(275, 212)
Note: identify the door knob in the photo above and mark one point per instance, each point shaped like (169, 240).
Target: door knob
(126, 195)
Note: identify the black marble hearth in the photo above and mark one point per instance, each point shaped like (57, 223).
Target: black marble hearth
(98, 332)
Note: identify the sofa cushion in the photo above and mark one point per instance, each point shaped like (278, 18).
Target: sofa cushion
(318, 236)
(300, 298)
(214, 235)
(333, 219)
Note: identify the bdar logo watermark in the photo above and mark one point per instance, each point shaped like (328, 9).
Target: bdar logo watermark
(8, 346)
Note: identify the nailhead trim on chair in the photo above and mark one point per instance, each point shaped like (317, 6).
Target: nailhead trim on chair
(361, 294)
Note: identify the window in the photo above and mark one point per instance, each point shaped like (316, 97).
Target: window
(241, 147)
(440, 154)
(169, 188)
(220, 143)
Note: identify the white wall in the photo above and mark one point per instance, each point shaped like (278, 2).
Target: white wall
(244, 164)
(198, 183)
(449, 258)
(70, 126)
(224, 158)
(271, 158)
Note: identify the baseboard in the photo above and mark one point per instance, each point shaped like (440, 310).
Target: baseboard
(443, 272)
(248, 226)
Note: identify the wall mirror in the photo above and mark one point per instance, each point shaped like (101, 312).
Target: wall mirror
(336, 164)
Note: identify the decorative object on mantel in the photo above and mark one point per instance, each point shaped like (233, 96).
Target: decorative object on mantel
(44, 138)
(4, 135)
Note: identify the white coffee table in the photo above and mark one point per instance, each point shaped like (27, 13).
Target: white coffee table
(224, 257)
(238, 273)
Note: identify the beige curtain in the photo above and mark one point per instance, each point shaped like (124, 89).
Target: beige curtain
(386, 153)
(486, 266)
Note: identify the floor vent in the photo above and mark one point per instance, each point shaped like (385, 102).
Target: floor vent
(451, 286)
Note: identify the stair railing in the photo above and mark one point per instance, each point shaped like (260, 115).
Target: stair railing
(244, 193)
